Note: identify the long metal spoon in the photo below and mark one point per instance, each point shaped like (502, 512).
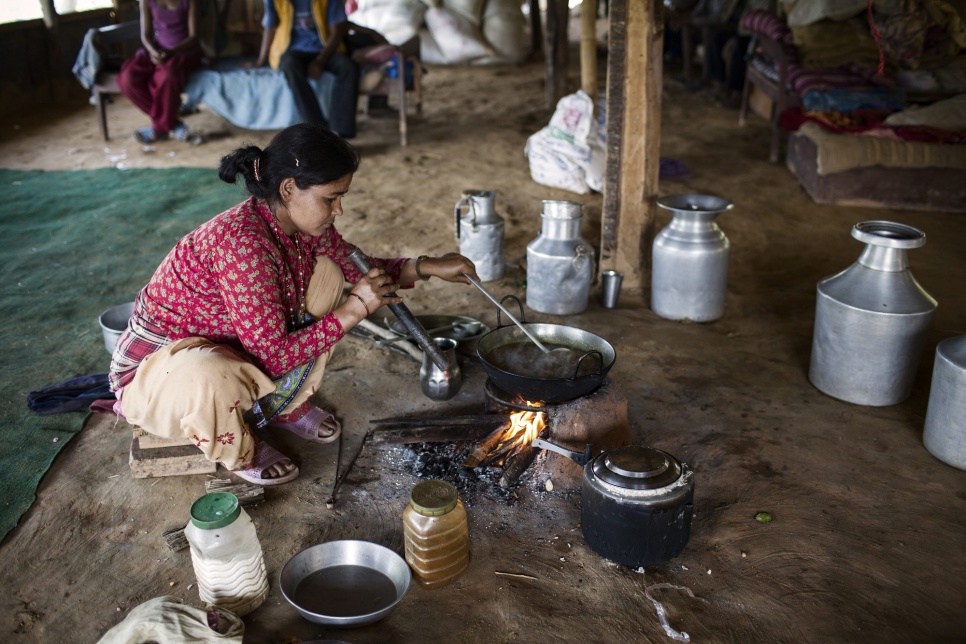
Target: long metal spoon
(537, 342)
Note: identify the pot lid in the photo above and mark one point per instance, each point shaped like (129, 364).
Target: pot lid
(637, 467)
(433, 498)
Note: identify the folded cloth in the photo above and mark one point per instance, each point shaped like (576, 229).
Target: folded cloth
(75, 394)
(674, 170)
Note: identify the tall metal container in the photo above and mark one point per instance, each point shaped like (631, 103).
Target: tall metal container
(871, 320)
(479, 233)
(945, 432)
(689, 270)
(560, 265)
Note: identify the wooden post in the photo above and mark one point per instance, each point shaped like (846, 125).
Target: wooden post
(588, 49)
(556, 50)
(633, 139)
(536, 31)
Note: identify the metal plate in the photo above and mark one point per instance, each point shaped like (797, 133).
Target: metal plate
(468, 328)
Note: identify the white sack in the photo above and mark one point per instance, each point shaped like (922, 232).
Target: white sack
(567, 153)
(459, 41)
(397, 20)
(472, 10)
(504, 28)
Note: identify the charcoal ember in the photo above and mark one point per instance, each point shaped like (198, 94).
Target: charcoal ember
(445, 461)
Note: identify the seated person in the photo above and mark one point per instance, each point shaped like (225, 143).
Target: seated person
(234, 330)
(303, 38)
(725, 45)
(155, 76)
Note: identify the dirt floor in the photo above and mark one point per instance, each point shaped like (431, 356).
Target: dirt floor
(866, 542)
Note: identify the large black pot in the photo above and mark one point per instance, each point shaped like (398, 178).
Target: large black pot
(598, 353)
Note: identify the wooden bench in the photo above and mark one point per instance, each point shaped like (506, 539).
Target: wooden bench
(105, 84)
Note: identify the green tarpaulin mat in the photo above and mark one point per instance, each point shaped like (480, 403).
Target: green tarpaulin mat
(74, 244)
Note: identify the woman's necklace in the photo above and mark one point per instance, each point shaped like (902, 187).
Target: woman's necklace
(299, 283)
(298, 276)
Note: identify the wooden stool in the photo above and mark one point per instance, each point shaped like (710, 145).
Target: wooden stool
(153, 456)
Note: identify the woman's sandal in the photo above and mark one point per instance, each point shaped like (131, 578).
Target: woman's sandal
(148, 135)
(181, 132)
(265, 457)
(313, 424)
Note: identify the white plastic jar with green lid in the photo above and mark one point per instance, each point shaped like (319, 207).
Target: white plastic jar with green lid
(436, 535)
(226, 554)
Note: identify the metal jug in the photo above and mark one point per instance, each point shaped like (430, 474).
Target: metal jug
(479, 233)
(441, 384)
(689, 269)
(871, 320)
(560, 264)
(945, 431)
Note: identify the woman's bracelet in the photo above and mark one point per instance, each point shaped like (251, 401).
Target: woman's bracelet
(364, 305)
(419, 274)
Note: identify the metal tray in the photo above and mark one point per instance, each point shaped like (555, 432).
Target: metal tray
(474, 331)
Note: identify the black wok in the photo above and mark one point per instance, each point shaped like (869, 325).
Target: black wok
(596, 352)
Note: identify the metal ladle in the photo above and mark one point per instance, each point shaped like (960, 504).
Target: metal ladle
(525, 330)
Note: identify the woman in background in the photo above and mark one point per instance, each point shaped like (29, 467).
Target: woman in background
(154, 77)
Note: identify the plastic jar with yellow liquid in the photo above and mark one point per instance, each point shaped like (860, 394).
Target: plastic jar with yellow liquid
(436, 535)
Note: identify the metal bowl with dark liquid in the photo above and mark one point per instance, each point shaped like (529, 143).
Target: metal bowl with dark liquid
(345, 583)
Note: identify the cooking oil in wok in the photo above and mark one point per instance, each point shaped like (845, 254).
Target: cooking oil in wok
(524, 358)
(345, 591)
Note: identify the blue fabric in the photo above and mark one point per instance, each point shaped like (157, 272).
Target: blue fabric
(255, 99)
(843, 99)
(75, 394)
(88, 61)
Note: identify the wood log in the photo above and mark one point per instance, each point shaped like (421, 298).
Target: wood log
(168, 461)
(479, 419)
(246, 493)
(174, 538)
(433, 433)
(373, 328)
(501, 452)
(516, 465)
(486, 446)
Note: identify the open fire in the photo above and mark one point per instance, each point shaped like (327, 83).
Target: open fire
(506, 443)
(480, 450)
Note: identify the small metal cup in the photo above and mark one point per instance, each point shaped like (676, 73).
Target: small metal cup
(610, 288)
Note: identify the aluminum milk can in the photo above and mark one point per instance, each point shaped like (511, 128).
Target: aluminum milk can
(689, 269)
(479, 233)
(560, 264)
(945, 432)
(871, 320)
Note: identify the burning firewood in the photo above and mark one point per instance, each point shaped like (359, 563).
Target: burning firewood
(524, 426)
(516, 464)
(479, 453)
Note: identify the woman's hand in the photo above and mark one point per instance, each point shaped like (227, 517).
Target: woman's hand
(449, 267)
(366, 297)
(373, 288)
